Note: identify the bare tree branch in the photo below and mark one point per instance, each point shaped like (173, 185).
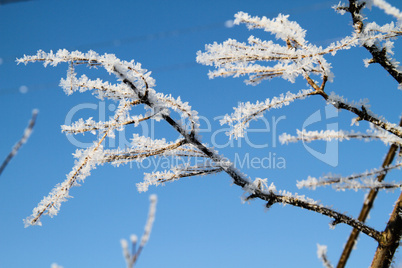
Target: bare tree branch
(131, 258)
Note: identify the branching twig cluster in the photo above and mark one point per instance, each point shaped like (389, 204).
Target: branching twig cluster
(132, 257)
(298, 58)
(294, 57)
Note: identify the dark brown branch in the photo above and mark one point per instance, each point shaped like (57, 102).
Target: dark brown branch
(389, 238)
(364, 115)
(378, 54)
(361, 113)
(338, 217)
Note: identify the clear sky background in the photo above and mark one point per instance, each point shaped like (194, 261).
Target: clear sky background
(201, 221)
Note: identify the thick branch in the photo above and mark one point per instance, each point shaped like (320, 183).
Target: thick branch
(367, 205)
(389, 238)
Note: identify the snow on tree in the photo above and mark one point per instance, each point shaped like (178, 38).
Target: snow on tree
(288, 56)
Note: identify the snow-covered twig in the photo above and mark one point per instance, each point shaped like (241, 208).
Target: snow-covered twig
(25, 137)
(245, 112)
(142, 147)
(295, 58)
(132, 257)
(140, 83)
(386, 7)
(370, 183)
(328, 135)
(363, 113)
(322, 255)
(285, 197)
(379, 53)
(160, 178)
(313, 182)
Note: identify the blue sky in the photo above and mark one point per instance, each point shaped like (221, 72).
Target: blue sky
(201, 221)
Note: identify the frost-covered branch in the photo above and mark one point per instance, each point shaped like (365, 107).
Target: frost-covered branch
(363, 113)
(142, 147)
(22, 141)
(140, 82)
(50, 205)
(90, 125)
(245, 112)
(285, 197)
(132, 257)
(269, 196)
(371, 184)
(313, 182)
(328, 135)
(366, 207)
(386, 7)
(160, 178)
(380, 54)
(294, 58)
(390, 238)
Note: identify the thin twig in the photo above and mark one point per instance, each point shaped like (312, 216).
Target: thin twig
(25, 137)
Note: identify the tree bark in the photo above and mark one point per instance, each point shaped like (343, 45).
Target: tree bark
(367, 205)
(389, 238)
